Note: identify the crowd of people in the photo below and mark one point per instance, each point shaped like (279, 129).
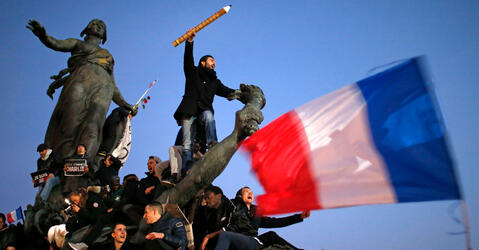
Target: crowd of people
(97, 199)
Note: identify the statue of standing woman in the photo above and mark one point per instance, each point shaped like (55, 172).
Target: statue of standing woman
(87, 91)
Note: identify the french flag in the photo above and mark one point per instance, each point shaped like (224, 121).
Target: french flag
(14, 215)
(380, 140)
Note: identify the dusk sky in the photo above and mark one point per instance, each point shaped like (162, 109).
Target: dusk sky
(295, 51)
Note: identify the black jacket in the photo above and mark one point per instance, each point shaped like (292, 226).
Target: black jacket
(105, 174)
(221, 217)
(201, 86)
(50, 165)
(148, 181)
(246, 222)
(88, 214)
(129, 195)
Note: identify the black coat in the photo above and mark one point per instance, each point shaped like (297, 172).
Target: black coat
(50, 164)
(105, 174)
(221, 217)
(148, 181)
(129, 193)
(88, 214)
(201, 86)
(246, 222)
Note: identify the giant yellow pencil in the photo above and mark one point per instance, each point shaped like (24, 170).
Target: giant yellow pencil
(202, 25)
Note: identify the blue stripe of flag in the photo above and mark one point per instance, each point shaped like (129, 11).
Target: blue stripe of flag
(408, 133)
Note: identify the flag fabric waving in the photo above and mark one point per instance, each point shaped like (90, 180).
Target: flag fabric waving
(122, 151)
(14, 215)
(376, 141)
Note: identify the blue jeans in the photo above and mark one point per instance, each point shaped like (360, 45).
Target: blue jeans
(239, 241)
(45, 189)
(189, 134)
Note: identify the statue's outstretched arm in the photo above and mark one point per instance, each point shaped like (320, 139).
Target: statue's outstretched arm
(216, 159)
(120, 101)
(38, 30)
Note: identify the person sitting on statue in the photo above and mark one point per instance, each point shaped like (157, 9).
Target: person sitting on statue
(201, 86)
(119, 240)
(71, 183)
(86, 208)
(218, 215)
(166, 232)
(87, 91)
(112, 215)
(129, 204)
(242, 231)
(108, 170)
(150, 187)
(46, 161)
(113, 197)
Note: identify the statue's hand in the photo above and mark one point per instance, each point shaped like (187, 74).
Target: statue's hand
(247, 121)
(236, 95)
(133, 109)
(36, 28)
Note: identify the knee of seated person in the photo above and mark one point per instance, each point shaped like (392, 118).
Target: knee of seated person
(208, 116)
(171, 150)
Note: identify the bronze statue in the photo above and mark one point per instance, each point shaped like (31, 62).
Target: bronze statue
(87, 91)
(79, 116)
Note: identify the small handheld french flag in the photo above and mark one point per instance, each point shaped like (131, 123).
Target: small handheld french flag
(15, 215)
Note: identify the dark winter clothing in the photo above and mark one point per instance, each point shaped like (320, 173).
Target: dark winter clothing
(129, 192)
(105, 174)
(221, 217)
(200, 88)
(88, 214)
(246, 222)
(174, 230)
(209, 220)
(49, 164)
(148, 181)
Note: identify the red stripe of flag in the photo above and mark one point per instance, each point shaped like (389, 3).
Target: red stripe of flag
(289, 187)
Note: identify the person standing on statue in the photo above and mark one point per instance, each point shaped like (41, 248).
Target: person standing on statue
(201, 86)
(87, 91)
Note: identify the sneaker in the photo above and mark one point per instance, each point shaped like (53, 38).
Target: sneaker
(168, 183)
(78, 246)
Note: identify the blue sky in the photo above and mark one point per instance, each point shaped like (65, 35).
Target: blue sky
(295, 51)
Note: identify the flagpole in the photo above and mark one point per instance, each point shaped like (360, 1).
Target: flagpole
(21, 213)
(465, 219)
(147, 90)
